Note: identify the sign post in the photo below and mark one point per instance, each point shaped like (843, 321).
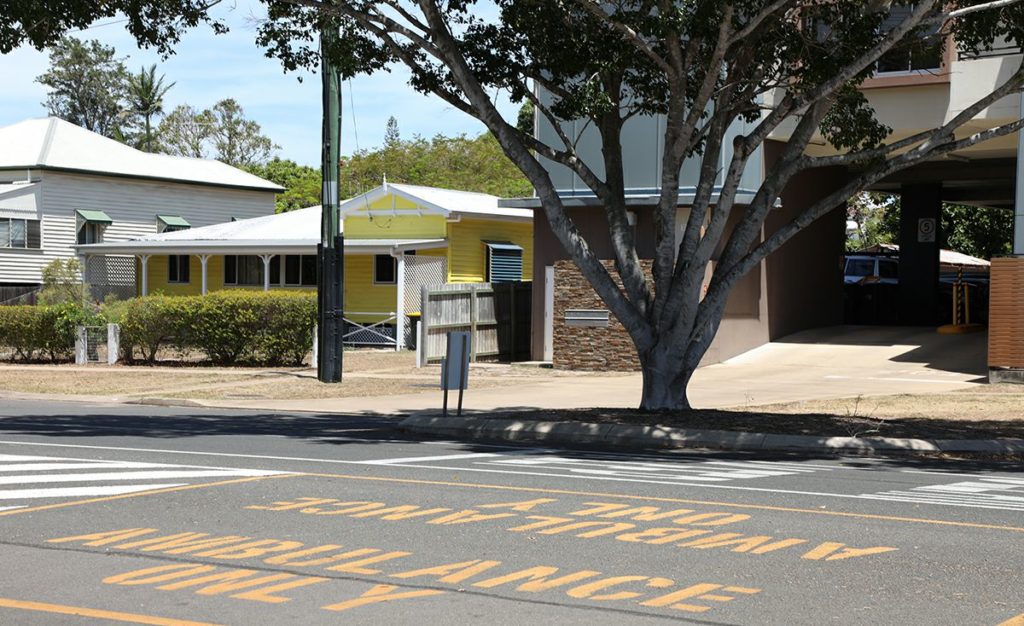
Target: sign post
(455, 367)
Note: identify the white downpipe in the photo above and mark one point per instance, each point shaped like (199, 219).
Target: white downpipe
(203, 259)
(400, 297)
(145, 273)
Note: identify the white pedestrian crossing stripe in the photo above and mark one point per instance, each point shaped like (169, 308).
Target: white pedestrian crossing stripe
(82, 478)
(1001, 493)
(609, 466)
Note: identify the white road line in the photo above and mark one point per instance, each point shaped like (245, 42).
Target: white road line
(456, 469)
(85, 464)
(153, 475)
(413, 459)
(79, 492)
(5, 458)
(8, 508)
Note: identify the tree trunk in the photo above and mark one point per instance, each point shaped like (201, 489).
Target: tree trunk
(666, 378)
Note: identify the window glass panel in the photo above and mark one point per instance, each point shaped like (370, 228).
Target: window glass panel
(888, 269)
(916, 52)
(292, 269)
(5, 233)
(19, 234)
(231, 270)
(250, 270)
(34, 234)
(860, 267)
(384, 268)
(275, 270)
(308, 270)
(172, 269)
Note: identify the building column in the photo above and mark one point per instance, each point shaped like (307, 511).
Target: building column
(1018, 208)
(920, 221)
(400, 300)
(203, 259)
(266, 270)
(144, 258)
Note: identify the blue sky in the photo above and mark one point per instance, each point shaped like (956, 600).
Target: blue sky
(208, 68)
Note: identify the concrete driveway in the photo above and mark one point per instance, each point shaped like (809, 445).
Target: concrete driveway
(825, 363)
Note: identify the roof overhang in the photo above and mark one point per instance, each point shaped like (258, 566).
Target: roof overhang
(637, 198)
(254, 246)
(15, 188)
(359, 204)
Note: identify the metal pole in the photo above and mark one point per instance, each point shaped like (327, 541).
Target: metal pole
(330, 253)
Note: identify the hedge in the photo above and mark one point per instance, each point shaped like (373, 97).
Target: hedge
(42, 332)
(272, 328)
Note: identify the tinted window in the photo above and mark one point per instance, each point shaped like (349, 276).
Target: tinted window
(888, 269)
(860, 267)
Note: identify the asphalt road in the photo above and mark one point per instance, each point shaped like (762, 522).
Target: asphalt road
(117, 514)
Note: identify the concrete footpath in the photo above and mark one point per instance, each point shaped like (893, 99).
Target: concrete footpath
(848, 362)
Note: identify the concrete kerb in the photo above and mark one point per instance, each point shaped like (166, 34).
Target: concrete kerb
(635, 436)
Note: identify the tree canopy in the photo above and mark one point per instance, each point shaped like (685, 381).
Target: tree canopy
(789, 67)
(87, 86)
(221, 132)
(301, 182)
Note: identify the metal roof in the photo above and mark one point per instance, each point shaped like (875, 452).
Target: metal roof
(52, 143)
(437, 200)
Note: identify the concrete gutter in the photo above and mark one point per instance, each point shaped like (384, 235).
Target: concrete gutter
(632, 436)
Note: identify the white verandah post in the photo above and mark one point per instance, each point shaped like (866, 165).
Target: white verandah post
(266, 270)
(203, 259)
(144, 258)
(400, 300)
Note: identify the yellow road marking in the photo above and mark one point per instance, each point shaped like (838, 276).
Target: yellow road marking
(596, 494)
(151, 492)
(116, 616)
(1014, 621)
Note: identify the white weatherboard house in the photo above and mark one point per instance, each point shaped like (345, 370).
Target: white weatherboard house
(62, 185)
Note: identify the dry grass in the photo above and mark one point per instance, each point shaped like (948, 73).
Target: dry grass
(107, 381)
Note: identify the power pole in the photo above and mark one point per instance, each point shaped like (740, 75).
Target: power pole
(331, 251)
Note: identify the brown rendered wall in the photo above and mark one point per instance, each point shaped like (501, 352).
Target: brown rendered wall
(744, 325)
(805, 275)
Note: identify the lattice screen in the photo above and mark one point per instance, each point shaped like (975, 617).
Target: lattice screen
(110, 275)
(420, 271)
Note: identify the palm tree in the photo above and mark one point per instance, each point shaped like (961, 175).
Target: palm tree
(146, 98)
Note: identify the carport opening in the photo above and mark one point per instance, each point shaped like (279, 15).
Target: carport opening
(907, 253)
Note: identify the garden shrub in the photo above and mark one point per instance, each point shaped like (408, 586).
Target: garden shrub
(42, 332)
(229, 326)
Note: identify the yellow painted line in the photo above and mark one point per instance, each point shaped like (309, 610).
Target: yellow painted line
(151, 492)
(1014, 621)
(79, 611)
(597, 494)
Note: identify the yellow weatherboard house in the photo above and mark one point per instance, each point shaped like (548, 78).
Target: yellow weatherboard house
(398, 239)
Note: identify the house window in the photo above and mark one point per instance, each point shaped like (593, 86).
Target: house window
(178, 268)
(920, 52)
(19, 233)
(504, 262)
(171, 223)
(91, 225)
(300, 270)
(243, 270)
(385, 269)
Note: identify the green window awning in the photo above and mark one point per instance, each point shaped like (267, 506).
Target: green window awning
(94, 217)
(502, 245)
(174, 221)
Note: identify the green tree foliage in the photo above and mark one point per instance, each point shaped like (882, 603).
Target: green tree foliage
(145, 96)
(62, 282)
(877, 218)
(221, 132)
(977, 231)
(469, 164)
(88, 85)
(302, 183)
